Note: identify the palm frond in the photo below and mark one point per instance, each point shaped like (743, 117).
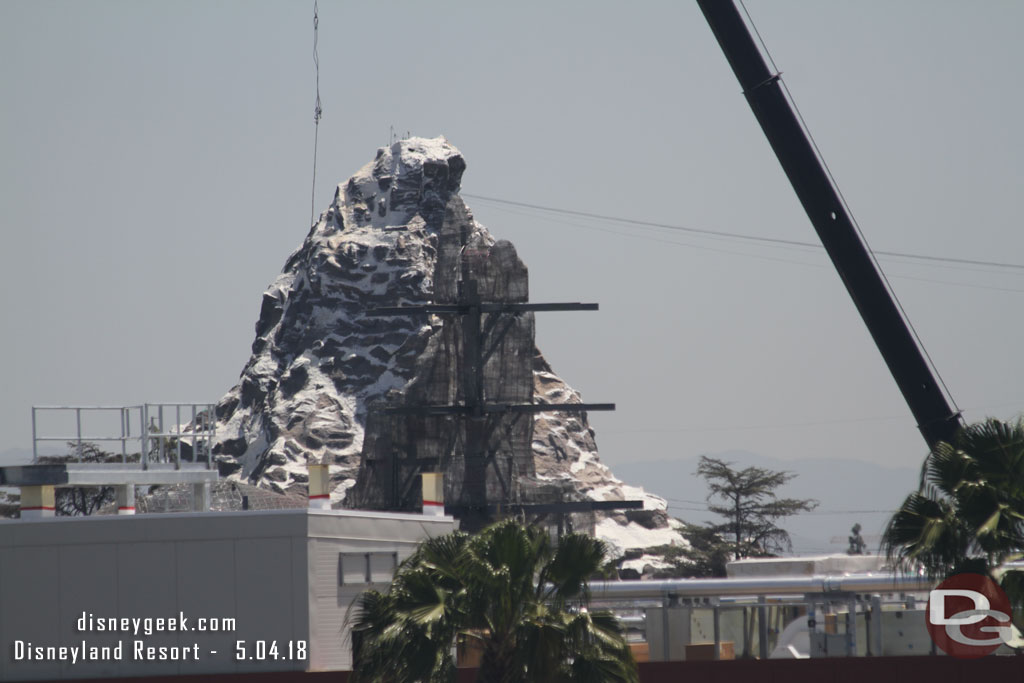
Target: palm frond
(491, 588)
(1012, 583)
(577, 558)
(969, 507)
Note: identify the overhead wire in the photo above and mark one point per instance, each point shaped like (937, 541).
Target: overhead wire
(794, 425)
(564, 217)
(651, 224)
(734, 235)
(675, 506)
(611, 230)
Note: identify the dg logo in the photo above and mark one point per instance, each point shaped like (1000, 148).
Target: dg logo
(969, 616)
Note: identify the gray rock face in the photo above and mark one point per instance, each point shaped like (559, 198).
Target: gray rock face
(317, 361)
(471, 360)
(397, 233)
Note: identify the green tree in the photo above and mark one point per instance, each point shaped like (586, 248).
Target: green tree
(704, 556)
(82, 500)
(9, 504)
(509, 591)
(968, 512)
(750, 506)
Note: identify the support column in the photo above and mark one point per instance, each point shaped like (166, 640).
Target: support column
(126, 499)
(851, 627)
(319, 487)
(37, 502)
(716, 616)
(762, 627)
(433, 493)
(201, 497)
(875, 626)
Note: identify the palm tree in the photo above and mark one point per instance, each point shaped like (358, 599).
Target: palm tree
(509, 590)
(968, 512)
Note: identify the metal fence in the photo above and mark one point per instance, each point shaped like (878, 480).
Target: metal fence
(162, 432)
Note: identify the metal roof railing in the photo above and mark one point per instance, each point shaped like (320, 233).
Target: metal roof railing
(158, 428)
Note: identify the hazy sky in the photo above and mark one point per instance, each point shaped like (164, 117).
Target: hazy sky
(156, 173)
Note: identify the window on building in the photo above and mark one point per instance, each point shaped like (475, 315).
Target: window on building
(366, 568)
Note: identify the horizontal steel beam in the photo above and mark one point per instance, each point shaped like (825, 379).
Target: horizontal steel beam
(548, 508)
(790, 585)
(553, 407)
(499, 408)
(490, 307)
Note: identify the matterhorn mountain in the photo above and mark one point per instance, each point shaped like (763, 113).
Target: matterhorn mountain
(334, 379)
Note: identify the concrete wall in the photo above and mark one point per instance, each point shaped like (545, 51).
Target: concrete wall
(275, 572)
(338, 556)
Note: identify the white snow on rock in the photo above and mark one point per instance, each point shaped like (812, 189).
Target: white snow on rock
(642, 563)
(318, 362)
(622, 537)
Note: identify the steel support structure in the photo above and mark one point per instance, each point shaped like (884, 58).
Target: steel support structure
(479, 341)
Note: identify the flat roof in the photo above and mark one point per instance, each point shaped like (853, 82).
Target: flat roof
(281, 512)
(359, 526)
(105, 474)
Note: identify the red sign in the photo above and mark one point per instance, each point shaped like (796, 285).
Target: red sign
(968, 616)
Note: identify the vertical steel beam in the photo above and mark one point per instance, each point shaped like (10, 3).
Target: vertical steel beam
(144, 435)
(177, 442)
(762, 627)
(124, 434)
(851, 627)
(78, 431)
(716, 617)
(875, 626)
(161, 441)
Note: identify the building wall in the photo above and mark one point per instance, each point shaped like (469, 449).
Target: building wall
(270, 571)
(337, 572)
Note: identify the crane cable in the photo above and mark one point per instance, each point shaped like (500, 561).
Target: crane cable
(853, 221)
(317, 111)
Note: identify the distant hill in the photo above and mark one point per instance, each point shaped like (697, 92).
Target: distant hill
(16, 456)
(840, 485)
(23, 456)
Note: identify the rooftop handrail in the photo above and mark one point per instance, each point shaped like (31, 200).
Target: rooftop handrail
(157, 441)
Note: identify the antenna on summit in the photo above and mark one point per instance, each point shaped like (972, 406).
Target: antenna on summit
(318, 111)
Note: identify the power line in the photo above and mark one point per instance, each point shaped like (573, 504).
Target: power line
(791, 425)
(736, 235)
(787, 244)
(849, 512)
(566, 220)
(796, 425)
(808, 512)
(649, 224)
(520, 211)
(692, 502)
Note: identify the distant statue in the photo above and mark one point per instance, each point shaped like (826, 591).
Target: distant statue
(857, 544)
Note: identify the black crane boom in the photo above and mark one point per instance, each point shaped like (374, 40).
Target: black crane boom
(936, 420)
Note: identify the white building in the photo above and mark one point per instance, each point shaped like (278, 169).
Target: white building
(193, 593)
